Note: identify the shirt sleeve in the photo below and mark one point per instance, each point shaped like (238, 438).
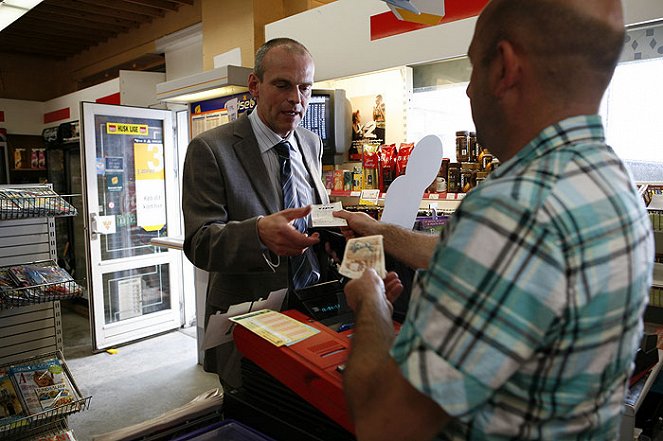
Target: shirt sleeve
(494, 286)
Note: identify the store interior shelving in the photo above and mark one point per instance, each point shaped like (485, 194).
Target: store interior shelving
(31, 288)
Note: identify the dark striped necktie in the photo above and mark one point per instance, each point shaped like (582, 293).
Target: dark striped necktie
(304, 269)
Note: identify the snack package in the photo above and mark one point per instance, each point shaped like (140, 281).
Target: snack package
(388, 155)
(402, 158)
(329, 179)
(370, 164)
(338, 180)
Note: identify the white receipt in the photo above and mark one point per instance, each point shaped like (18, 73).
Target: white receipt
(321, 215)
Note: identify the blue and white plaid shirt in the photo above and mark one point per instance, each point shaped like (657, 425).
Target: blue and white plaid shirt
(526, 323)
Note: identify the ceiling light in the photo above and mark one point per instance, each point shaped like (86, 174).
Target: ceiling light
(12, 10)
(25, 4)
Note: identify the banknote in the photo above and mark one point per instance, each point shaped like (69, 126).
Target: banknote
(361, 253)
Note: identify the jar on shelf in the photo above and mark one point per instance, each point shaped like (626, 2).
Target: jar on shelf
(467, 176)
(485, 159)
(462, 146)
(453, 183)
(480, 177)
(473, 147)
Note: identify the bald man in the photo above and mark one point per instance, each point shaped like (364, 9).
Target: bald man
(527, 319)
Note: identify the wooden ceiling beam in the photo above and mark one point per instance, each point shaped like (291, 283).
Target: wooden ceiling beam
(14, 44)
(59, 38)
(127, 6)
(55, 28)
(121, 25)
(161, 4)
(101, 11)
(72, 24)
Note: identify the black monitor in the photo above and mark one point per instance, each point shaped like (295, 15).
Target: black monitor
(329, 116)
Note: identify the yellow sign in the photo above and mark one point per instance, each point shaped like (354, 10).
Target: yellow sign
(148, 161)
(150, 184)
(126, 129)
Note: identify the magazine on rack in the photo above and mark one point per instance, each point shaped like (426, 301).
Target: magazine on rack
(11, 409)
(46, 277)
(33, 381)
(39, 281)
(34, 202)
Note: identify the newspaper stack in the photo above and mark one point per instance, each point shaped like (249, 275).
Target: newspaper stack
(362, 253)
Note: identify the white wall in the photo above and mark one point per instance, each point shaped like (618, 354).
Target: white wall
(183, 51)
(345, 48)
(338, 36)
(642, 11)
(395, 87)
(74, 99)
(22, 117)
(140, 88)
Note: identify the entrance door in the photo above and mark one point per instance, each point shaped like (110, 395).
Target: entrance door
(131, 196)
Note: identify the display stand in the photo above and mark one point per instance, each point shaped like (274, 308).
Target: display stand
(30, 320)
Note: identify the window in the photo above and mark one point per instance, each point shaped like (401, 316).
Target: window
(632, 108)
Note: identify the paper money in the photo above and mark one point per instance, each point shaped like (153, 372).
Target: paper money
(362, 253)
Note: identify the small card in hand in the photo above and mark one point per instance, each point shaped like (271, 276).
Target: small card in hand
(321, 215)
(362, 253)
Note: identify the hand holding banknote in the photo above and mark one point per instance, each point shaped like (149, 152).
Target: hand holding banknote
(370, 287)
(362, 253)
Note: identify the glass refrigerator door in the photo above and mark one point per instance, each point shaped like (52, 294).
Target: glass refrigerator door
(131, 196)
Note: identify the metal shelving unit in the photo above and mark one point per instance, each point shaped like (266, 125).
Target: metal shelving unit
(30, 319)
(40, 422)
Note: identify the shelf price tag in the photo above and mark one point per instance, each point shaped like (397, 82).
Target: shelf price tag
(369, 197)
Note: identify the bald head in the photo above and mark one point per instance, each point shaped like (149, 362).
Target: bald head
(574, 45)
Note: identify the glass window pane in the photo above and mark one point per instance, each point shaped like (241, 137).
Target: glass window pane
(136, 292)
(131, 183)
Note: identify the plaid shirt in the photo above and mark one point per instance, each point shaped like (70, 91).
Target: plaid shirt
(526, 323)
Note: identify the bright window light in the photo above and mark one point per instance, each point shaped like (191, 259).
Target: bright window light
(631, 111)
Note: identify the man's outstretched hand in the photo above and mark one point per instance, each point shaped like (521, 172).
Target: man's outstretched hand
(278, 233)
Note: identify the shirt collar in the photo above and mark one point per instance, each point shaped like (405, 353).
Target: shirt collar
(266, 137)
(567, 131)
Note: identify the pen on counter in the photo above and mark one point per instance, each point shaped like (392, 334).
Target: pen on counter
(345, 327)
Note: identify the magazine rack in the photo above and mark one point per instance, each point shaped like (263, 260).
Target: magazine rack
(30, 320)
(60, 287)
(43, 421)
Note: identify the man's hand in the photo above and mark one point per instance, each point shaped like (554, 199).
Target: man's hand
(370, 288)
(359, 224)
(277, 232)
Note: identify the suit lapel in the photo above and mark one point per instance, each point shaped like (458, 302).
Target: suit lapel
(248, 153)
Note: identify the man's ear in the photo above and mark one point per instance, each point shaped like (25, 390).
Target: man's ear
(508, 69)
(253, 84)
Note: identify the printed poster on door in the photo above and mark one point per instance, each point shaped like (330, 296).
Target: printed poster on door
(150, 184)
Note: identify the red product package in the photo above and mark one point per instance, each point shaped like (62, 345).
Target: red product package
(388, 154)
(402, 158)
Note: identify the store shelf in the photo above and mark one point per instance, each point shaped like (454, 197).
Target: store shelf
(426, 196)
(634, 398)
(66, 401)
(43, 282)
(29, 169)
(33, 202)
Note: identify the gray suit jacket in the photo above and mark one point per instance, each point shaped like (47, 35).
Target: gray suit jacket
(225, 189)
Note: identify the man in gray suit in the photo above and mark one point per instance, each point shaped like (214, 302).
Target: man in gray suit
(236, 224)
